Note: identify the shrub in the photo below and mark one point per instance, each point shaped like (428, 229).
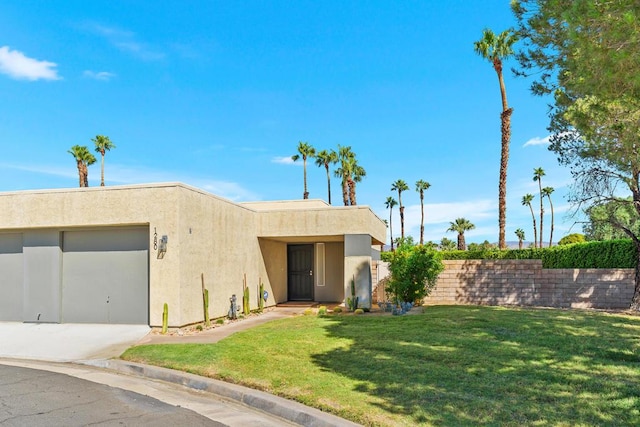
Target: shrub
(572, 238)
(606, 254)
(199, 327)
(308, 312)
(337, 309)
(359, 311)
(322, 310)
(414, 271)
(220, 321)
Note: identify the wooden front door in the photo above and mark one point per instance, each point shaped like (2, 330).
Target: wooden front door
(300, 272)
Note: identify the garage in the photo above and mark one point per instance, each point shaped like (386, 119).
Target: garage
(105, 276)
(11, 273)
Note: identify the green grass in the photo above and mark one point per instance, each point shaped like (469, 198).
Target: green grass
(452, 365)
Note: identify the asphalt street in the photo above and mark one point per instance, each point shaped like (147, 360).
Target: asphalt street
(30, 397)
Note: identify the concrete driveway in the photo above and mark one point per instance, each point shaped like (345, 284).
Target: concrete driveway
(67, 342)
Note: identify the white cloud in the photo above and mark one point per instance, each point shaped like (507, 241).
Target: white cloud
(286, 160)
(537, 141)
(126, 41)
(66, 172)
(18, 66)
(100, 75)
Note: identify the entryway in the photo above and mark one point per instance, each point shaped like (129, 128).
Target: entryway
(300, 272)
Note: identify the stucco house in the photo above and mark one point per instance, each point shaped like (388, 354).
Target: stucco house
(118, 254)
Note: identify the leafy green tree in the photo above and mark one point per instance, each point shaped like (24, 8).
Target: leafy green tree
(547, 191)
(585, 53)
(400, 186)
(520, 233)
(103, 144)
(599, 227)
(421, 187)
(572, 238)
(526, 201)
(538, 173)
(305, 151)
(460, 225)
(484, 246)
(390, 203)
(84, 158)
(495, 49)
(327, 158)
(447, 244)
(414, 272)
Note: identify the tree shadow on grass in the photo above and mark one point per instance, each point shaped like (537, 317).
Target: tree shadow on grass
(487, 366)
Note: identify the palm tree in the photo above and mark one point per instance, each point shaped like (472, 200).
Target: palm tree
(103, 144)
(350, 172)
(345, 155)
(421, 187)
(83, 158)
(400, 186)
(526, 201)
(495, 48)
(447, 244)
(305, 151)
(546, 191)
(461, 225)
(390, 203)
(538, 173)
(326, 158)
(520, 233)
(357, 173)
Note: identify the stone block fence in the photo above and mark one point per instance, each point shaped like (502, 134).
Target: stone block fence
(526, 283)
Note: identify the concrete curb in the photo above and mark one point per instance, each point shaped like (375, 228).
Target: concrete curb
(274, 405)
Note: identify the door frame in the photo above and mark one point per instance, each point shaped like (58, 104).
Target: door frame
(311, 246)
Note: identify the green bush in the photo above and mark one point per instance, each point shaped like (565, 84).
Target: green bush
(414, 271)
(358, 311)
(606, 254)
(322, 310)
(572, 238)
(337, 309)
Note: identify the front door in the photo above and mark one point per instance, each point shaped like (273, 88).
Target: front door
(300, 272)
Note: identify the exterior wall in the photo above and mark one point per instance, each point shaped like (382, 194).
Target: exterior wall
(526, 283)
(357, 267)
(11, 265)
(333, 288)
(207, 235)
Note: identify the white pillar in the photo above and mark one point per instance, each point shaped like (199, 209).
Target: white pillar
(357, 267)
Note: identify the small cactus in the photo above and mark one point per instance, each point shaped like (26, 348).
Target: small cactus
(205, 301)
(245, 302)
(260, 298)
(165, 318)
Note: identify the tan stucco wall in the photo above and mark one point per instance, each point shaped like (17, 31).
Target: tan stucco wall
(333, 290)
(206, 235)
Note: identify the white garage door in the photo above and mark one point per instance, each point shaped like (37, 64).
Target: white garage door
(105, 276)
(11, 277)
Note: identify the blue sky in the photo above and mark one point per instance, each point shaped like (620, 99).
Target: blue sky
(217, 95)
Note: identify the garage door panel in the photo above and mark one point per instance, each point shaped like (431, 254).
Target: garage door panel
(11, 277)
(105, 276)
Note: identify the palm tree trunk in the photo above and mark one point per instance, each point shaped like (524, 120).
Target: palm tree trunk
(541, 211)
(80, 176)
(535, 230)
(326, 166)
(352, 192)
(345, 190)
(305, 195)
(421, 217)
(505, 120)
(551, 235)
(520, 244)
(461, 243)
(102, 170)
(85, 174)
(391, 227)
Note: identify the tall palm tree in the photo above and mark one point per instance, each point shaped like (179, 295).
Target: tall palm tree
(496, 48)
(390, 203)
(357, 173)
(400, 186)
(83, 158)
(546, 191)
(421, 187)
(345, 155)
(460, 225)
(538, 173)
(520, 233)
(350, 172)
(305, 151)
(103, 144)
(526, 201)
(326, 158)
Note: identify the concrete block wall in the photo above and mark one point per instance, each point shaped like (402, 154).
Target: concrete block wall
(526, 283)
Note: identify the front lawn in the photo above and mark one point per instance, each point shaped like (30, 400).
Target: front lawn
(452, 365)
